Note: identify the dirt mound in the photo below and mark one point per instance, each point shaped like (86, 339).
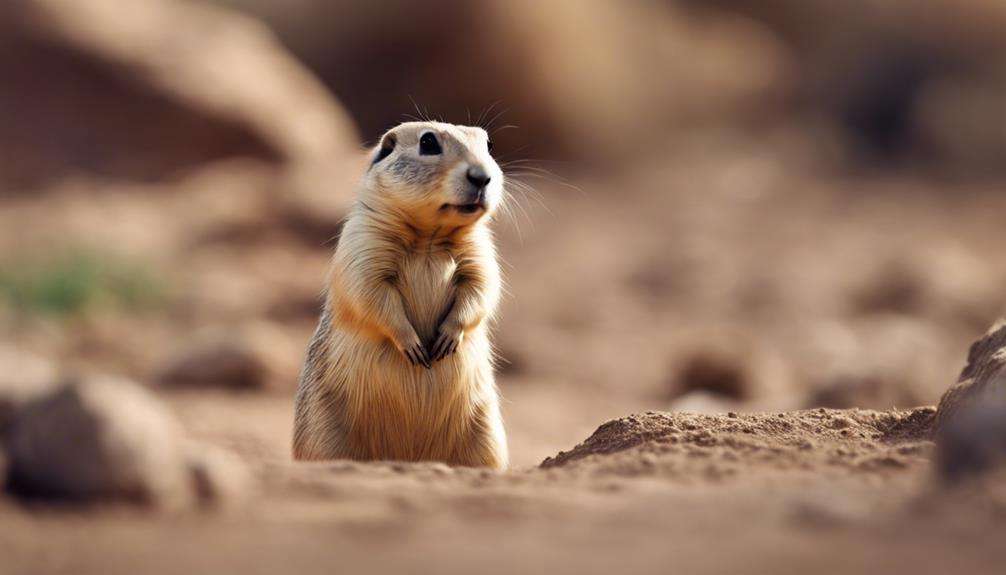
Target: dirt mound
(683, 444)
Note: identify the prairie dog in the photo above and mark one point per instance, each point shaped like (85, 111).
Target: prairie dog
(401, 364)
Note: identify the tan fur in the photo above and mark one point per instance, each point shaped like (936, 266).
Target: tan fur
(406, 271)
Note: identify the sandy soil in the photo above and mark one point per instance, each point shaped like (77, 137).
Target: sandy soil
(779, 231)
(800, 292)
(830, 490)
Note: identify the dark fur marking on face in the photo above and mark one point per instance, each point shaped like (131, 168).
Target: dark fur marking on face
(387, 146)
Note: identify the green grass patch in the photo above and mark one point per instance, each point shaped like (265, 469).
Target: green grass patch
(75, 282)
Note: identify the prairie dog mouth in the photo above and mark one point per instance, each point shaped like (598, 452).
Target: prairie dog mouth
(464, 208)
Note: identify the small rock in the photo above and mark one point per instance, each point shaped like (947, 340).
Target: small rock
(219, 478)
(714, 371)
(731, 364)
(974, 442)
(983, 380)
(98, 439)
(223, 364)
(23, 377)
(249, 358)
(841, 422)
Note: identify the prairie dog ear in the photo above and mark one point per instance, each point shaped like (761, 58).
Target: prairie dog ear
(388, 143)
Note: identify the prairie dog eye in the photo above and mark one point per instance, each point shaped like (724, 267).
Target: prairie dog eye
(489, 145)
(428, 145)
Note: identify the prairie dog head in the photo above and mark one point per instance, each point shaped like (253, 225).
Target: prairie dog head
(440, 174)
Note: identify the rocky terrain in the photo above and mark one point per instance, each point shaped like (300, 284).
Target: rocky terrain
(728, 325)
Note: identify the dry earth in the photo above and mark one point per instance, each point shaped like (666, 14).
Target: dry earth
(673, 281)
(752, 275)
(836, 491)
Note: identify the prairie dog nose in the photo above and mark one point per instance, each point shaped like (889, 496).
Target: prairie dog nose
(478, 176)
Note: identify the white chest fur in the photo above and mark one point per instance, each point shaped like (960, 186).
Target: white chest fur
(426, 282)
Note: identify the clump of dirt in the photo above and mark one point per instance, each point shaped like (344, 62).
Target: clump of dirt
(685, 444)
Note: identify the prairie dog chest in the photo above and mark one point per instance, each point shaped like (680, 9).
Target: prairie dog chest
(426, 282)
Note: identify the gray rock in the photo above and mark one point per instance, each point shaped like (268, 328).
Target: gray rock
(732, 365)
(219, 478)
(972, 443)
(219, 364)
(23, 377)
(252, 357)
(983, 380)
(99, 439)
(970, 422)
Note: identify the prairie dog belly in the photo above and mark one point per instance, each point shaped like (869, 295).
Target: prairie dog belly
(396, 410)
(426, 282)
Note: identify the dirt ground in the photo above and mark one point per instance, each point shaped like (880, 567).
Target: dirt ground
(836, 491)
(774, 231)
(625, 292)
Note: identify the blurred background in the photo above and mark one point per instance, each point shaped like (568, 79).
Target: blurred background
(724, 205)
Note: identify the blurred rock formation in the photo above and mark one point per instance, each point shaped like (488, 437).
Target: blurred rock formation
(101, 439)
(140, 90)
(587, 79)
(898, 83)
